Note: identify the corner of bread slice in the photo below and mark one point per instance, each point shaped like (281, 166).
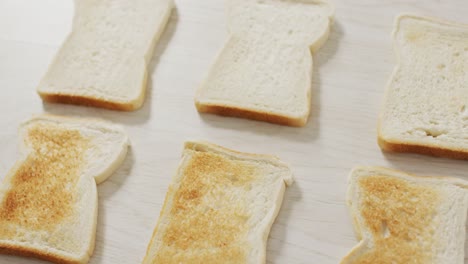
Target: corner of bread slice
(357, 251)
(203, 146)
(405, 20)
(417, 25)
(322, 37)
(432, 209)
(385, 142)
(402, 23)
(405, 17)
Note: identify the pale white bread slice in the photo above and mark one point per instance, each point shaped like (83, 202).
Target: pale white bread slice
(219, 208)
(264, 71)
(104, 61)
(401, 218)
(48, 201)
(425, 109)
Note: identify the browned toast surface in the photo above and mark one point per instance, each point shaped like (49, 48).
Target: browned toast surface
(195, 225)
(397, 213)
(42, 189)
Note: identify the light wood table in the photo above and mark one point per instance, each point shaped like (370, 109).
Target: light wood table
(349, 78)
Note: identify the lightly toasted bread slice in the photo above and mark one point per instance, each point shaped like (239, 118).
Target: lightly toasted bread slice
(48, 201)
(264, 71)
(401, 218)
(104, 61)
(425, 107)
(219, 208)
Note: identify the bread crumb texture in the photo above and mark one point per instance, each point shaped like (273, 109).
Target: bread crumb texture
(426, 100)
(208, 222)
(42, 190)
(264, 70)
(400, 217)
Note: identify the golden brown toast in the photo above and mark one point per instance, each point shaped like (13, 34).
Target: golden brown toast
(48, 202)
(219, 208)
(401, 218)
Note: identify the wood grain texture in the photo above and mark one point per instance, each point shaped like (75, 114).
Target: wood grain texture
(350, 73)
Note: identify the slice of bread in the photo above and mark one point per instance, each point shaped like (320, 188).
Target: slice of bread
(48, 201)
(264, 70)
(219, 208)
(103, 62)
(425, 108)
(401, 218)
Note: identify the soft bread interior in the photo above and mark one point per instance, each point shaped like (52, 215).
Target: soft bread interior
(266, 63)
(426, 101)
(103, 62)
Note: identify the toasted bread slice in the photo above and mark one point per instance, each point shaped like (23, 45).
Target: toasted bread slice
(264, 70)
(425, 108)
(48, 201)
(401, 218)
(103, 62)
(219, 207)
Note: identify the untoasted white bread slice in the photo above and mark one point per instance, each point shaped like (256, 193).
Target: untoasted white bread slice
(401, 218)
(425, 108)
(264, 70)
(103, 62)
(219, 208)
(48, 201)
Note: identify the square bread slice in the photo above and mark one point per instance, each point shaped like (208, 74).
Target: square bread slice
(264, 69)
(48, 200)
(104, 60)
(401, 218)
(425, 109)
(219, 208)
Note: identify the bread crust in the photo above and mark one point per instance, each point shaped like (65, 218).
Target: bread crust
(25, 251)
(399, 146)
(431, 19)
(91, 101)
(452, 180)
(232, 111)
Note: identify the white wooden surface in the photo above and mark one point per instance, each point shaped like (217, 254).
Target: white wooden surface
(351, 70)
